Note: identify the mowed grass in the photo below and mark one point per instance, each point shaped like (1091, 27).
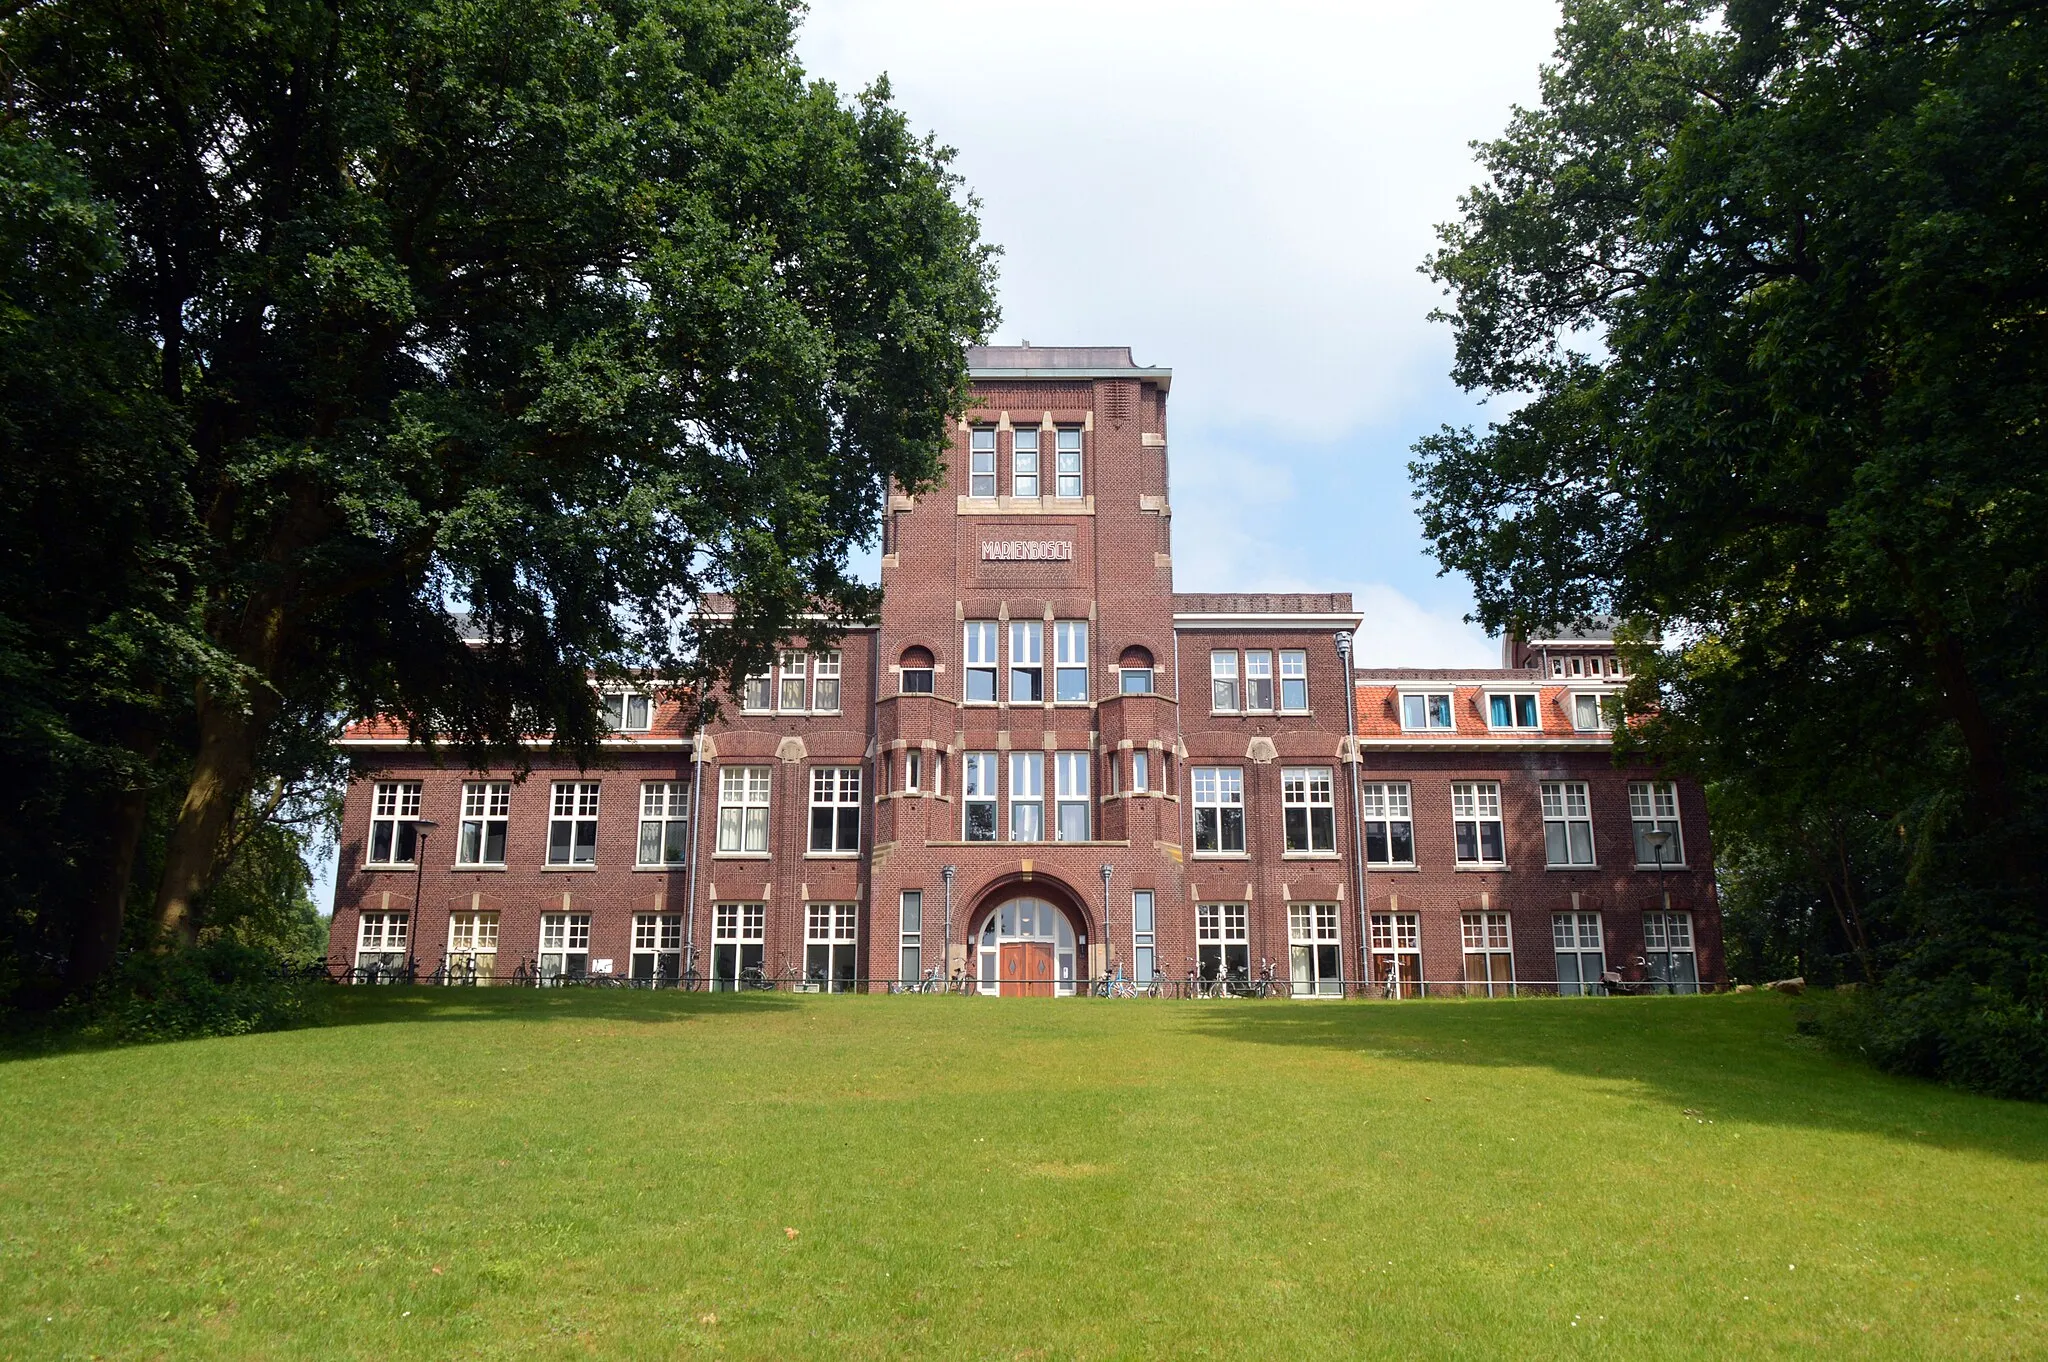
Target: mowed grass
(505, 1173)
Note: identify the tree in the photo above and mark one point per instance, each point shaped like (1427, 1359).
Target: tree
(1766, 280)
(497, 336)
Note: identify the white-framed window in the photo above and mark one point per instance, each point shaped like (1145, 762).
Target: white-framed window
(831, 939)
(1294, 680)
(1581, 953)
(1258, 680)
(1567, 823)
(1141, 770)
(1027, 796)
(1308, 809)
(913, 770)
(978, 661)
(1070, 796)
(1514, 710)
(664, 822)
(981, 462)
(1653, 807)
(737, 945)
(381, 942)
(1427, 711)
(1489, 953)
(910, 947)
(1223, 941)
(473, 946)
(743, 808)
(1389, 823)
(757, 693)
(1397, 951)
(1223, 681)
(1315, 959)
(793, 671)
(978, 797)
(394, 822)
(657, 956)
(1144, 952)
(1475, 818)
(916, 675)
(1027, 662)
(825, 681)
(835, 810)
(1069, 452)
(572, 823)
(1070, 660)
(1667, 940)
(1024, 462)
(1588, 715)
(628, 711)
(564, 945)
(1219, 810)
(486, 813)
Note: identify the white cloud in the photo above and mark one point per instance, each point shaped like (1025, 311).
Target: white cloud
(1399, 633)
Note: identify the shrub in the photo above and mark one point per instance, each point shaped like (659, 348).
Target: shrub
(221, 988)
(1951, 1030)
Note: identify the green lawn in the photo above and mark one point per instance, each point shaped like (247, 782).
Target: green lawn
(573, 1174)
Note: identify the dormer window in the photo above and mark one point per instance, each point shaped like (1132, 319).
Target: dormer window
(628, 711)
(1423, 711)
(1587, 716)
(1511, 711)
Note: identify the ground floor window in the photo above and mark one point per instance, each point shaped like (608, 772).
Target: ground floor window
(1026, 948)
(1667, 940)
(1223, 946)
(1581, 955)
(830, 932)
(381, 941)
(657, 947)
(910, 962)
(564, 945)
(737, 932)
(1314, 957)
(1489, 953)
(1397, 952)
(473, 946)
(1144, 952)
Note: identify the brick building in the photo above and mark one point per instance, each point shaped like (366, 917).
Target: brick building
(1042, 764)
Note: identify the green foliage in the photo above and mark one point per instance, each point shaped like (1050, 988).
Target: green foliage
(1764, 281)
(220, 988)
(1947, 1029)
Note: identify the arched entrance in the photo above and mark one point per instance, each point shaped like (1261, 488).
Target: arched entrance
(1025, 947)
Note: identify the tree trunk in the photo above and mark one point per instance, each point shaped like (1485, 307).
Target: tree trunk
(96, 935)
(230, 729)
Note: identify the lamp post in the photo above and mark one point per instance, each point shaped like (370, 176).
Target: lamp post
(1658, 839)
(1343, 639)
(420, 828)
(1108, 937)
(946, 954)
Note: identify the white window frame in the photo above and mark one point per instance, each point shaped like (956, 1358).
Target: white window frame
(664, 812)
(1024, 451)
(981, 462)
(1521, 704)
(1580, 701)
(630, 711)
(835, 794)
(744, 796)
(1391, 805)
(1219, 790)
(1579, 938)
(1141, 770)
(1668, 933)
(1259, 697)
(573, 805)
(1027, 662)
(1071, 797)
(394, 805)
(1489, 937)
(978, 644)
(1070, 662)
(1315, 950)
(564, 941)
(1144, 935)
(1568, 825)
(978, 775)
(1429, 706)
(910, 936)
(1478, 803)
(1027, 796)
(1397, 944)
(473, 944)
(1293, 681)
(757, 693)
(1652, 805)
(486, 808)
(657, 940)
(793, 669)
(825, 678)
(1067, 470)
(832, 946)
(1223, 692)
(913, 770)
(1223, 941)
(385, 936)
(738, 945)
(1308, 811)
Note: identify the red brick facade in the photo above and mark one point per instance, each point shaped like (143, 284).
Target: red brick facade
(1244, 835)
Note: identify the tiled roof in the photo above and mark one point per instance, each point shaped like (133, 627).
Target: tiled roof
(1379, 706)
(670, 722)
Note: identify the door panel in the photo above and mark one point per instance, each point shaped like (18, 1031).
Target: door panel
(1038, 969)
(1011, 969)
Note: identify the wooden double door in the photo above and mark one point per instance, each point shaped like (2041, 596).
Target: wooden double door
(1025, 969)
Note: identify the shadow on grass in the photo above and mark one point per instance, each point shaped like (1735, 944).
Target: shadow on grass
(374, 1006)
(1727, 1059)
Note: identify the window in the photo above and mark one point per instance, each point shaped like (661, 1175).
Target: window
(915, 676)
(1144, 955)
(1070, 463)
(1511, 711)
(1141, 771)
(473, 946)
(657, 948)
(1070, 660)
(664, 822)
(978, 797)
(793, 669)
(394, 822)
(1070, 773)
(736, 945)
(1222, 941)
(1653, 807)
(628, 711)
(1475, 814)
(1581, 960)
(1223, 682)
(910, 953)
(564, 945)
(572, 823)
(979, 653)
(1426, 710)
(1024, 463)
(913, 770)
(486, 807)
(1027, 796)
(981, 462)
(1314, 961)
(1258, 680)
(1489, 954)
(757, 694)
(1308, 809)
(1027, 662)
(1567, 823)
(831, 932)
(381, 940)
(1397, 952)
(1293, 680)
(1134, 671)
(1389, 824)
(825, 690)
(1219, 809)
(1667, 940)
(743, 809)
(835, 809)
(1587, 716)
